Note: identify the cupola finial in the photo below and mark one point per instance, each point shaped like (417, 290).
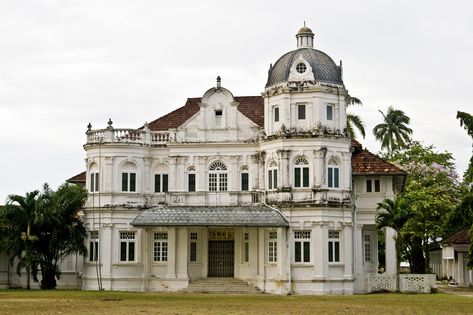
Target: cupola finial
(219, 82)
(305, 37)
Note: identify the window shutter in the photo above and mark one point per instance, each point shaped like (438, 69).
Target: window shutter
(124, 181)
(305, 177)
(157, 183)
(132, 181)
(297, 177)
(165, 182)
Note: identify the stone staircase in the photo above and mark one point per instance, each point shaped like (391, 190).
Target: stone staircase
(220, 285)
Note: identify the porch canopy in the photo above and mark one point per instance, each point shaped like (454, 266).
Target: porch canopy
(210, 216)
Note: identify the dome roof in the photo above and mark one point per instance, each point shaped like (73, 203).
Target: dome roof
(324, 68)
(305, 30)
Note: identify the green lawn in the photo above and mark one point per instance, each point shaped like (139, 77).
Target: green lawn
(89, 302)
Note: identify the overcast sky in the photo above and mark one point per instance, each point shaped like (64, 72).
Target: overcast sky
(64, 64)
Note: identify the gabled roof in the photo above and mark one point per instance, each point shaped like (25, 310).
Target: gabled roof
(461, 237)
(76, 179)
(250, 106)
(364, 162)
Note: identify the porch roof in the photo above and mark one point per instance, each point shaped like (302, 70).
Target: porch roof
(210, 216)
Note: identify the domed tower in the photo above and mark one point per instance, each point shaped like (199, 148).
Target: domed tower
(305, 90)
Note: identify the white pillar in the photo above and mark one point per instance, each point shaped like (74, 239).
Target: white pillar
(391, 263)
(348, 250)
(282, 253)
(171, 266)
(358, 250)
(461, 269)
(181, 253)
(145, 258)
(321, 269)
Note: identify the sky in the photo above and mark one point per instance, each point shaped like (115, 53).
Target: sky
(65, 63)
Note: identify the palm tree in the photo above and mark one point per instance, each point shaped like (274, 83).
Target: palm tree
(391, 213)
(21, 214)
(466, 121)
(393, 133)
(353, 120)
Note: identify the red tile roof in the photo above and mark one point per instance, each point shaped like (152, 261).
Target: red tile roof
(462, 237)
(79, 178)
(250, 106)
(364, 162)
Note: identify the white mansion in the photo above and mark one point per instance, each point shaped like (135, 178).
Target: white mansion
(267, 189)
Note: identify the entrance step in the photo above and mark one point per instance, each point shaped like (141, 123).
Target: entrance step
(220, 285)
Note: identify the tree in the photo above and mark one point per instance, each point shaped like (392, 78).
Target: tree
(353, 120)
(391, 213)
(57, 231)
(466, 121)
(393, 132)
(19, 216)
(431, 193)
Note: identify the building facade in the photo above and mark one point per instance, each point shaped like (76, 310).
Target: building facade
(268, 189)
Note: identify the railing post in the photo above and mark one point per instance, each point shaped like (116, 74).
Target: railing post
(108, 134)
(147, 134)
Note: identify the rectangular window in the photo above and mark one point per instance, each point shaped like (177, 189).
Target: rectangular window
(334, 246)
(302, 246)
(300, 112)
(272, 247)
(127, 246)
(301, 177)
(132, 181)
(191, 178)
(124, 181)
(367, 247)
(218, 117)
(329, 112)
(160, 247)
(244, 181)
(223, 182)
(246, 247)
(377, 185)
(369, 185)
(212, 182)
(94, 182)
(129, 182)
(94, 246)
(272, 179)
(160, 183)
(193, 247)
(333, 177)
(276, 114)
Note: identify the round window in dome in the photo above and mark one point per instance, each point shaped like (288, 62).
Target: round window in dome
(301, 67)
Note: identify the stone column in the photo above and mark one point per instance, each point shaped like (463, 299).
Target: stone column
(179, 175)
(282, 253)
(391, 260)
(283, 178)
(319, 166)
(261, 253)
(181, 253)
(145, 258)
(320, 232)
(233, 180)
(348, 249)
(201, 172)
(254, 172)
(461, 269)
(358, 250)
(172, 183)
(171, 266)
(147, 180)
(106, 182)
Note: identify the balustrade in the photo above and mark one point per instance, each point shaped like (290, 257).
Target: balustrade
(124, 135)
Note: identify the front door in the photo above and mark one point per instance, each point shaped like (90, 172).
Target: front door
(221, 258)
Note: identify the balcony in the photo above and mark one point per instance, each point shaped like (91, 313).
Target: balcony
(143, 136)
(309, 196)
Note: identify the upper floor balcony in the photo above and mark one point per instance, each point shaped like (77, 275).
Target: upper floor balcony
(142, 136)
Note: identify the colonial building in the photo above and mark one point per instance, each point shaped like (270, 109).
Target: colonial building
(268, 189)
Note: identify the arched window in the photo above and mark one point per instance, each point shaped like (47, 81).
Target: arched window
(301, 172)
(272, 175)
(218, 176)
(333, 173)
(128, 177)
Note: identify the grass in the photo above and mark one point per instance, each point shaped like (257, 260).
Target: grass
(92, 302)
